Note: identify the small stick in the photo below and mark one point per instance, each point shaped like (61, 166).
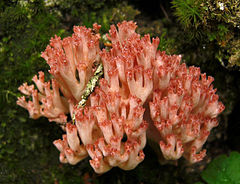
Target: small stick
(92, 83)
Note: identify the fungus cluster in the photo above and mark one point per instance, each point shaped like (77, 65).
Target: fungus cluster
(144, 94)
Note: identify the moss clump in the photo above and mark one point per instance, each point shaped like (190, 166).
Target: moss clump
(213, 23)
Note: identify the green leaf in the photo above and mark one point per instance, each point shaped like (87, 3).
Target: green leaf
(223, 170)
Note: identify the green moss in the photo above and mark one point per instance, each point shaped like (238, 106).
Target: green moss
(188, 12)
(25, 32)
(212, 22)
(107, 16)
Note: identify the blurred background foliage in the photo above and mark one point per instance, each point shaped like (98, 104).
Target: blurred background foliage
(205, 32)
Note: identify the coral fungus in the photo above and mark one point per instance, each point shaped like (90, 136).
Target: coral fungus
(144, 94)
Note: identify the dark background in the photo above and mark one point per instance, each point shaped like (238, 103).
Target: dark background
(204, 34)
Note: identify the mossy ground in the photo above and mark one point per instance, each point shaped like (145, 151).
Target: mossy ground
(27, 154)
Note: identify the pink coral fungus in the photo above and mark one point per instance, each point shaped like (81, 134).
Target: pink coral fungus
(144, 94)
